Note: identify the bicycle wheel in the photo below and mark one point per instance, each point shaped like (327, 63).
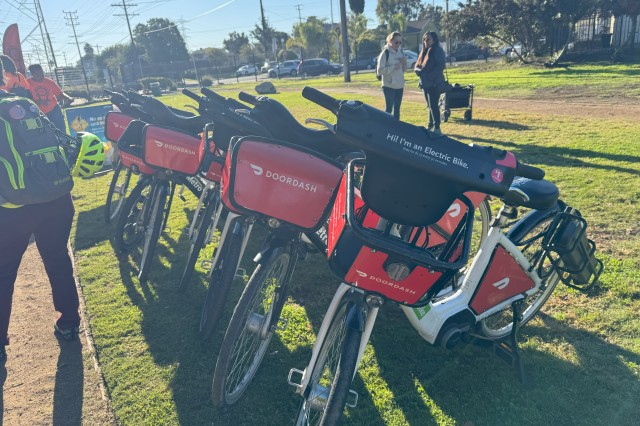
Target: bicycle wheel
(326, 394)
(531, 232)
(129, 231)
(204, 219)
(251, 328)
(222, 276)
(117, 192)
(153, 224)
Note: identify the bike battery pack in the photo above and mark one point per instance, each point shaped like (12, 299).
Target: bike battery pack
(568, 238)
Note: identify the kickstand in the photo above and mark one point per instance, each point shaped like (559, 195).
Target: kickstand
(507, 349)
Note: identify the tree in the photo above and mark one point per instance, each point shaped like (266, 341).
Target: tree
(235, 42)
(513, 21)
(161, 41)
(88, 50)
(356, 6)
(410, 9)
(310, 35)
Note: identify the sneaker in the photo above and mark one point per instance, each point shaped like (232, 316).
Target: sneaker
(3, 354)
(68, 334)
(437, 131)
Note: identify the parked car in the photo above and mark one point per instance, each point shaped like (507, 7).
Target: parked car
(317, 66)
(466, 52)
(362, 64)
(411, 57)
(286, 68)
(247, 70)
(267, 66)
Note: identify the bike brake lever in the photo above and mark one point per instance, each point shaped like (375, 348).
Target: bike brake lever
(321, 122)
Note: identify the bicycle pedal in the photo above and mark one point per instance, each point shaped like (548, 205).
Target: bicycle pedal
(506, 353)
(297, 385)
(355, 399)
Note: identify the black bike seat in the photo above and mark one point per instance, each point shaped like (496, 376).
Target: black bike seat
(535, 194)
(283, 125)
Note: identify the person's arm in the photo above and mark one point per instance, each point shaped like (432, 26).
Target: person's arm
(64, 98)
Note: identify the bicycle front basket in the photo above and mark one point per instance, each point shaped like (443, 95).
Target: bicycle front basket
(270, 178)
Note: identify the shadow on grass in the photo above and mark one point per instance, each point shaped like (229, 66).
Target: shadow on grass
(578, 379)
(558, 156)
(494, 124)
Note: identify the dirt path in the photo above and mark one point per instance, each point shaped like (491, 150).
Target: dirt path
(46, 381)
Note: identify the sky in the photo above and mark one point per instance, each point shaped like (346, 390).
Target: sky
(206, 23)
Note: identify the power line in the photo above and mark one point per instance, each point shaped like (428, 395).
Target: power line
(72, 20)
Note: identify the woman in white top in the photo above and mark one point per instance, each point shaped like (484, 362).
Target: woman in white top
(391, 66)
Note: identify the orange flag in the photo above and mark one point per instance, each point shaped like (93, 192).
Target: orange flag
(12, 48)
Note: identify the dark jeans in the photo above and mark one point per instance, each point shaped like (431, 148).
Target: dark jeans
(56, 116)
(50, 223)
(432, 96)
(392, 99)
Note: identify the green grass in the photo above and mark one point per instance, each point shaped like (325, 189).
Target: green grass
(583, 352)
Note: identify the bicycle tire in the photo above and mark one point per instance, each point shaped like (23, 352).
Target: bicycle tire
(250, 328)
(322, 406)
(499, 325)
(153, 227)
(128, 233)
(201, 229)
(222, 275)
(117, 192)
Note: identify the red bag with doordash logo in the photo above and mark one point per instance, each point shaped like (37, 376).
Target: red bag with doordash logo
(280, 180)
(171, 149)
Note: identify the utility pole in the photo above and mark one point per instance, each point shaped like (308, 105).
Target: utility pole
(40, 16)
(72, 20)
(264, 32)
(301, 47)
(133, 43)
(446, 13)
(345, 41)
(97, 49)
(183, 29)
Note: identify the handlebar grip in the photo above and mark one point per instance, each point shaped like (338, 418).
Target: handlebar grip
(137, 98)
(531, 172)
(246, 97)
(322, 99)
(211, 94)
(192, 95)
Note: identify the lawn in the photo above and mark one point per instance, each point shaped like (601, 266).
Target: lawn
(582, 352)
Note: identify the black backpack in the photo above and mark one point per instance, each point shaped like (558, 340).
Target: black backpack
(33, 166)
(386, 59)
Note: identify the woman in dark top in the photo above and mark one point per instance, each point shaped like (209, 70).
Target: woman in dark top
(430, 69)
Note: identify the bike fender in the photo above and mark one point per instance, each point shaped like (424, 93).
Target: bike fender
(356, 317)
(521, 227)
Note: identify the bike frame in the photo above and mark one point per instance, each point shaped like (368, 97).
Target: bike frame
(438, 312)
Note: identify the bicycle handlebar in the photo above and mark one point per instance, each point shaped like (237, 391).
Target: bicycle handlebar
(320, 98)
(211, 94)
(248, 98)
(192, 95)
(530, 172)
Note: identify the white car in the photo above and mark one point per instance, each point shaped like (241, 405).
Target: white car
(286, 68)
(247, 70)
(411, 57)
